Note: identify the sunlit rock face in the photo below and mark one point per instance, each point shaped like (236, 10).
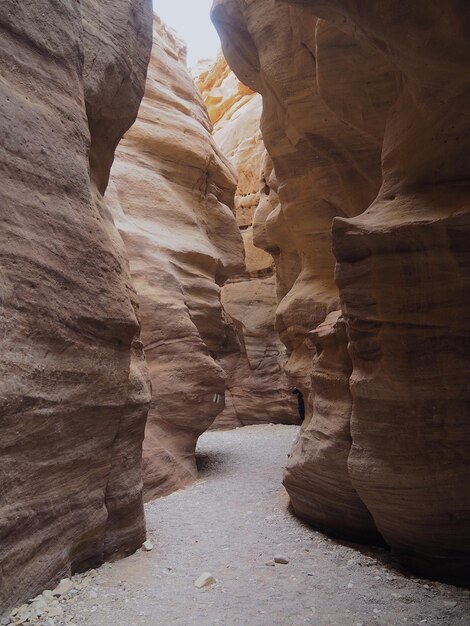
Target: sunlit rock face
(258, 390)
(319, 167)
(399, 96)
(173, 202)
(74, 391)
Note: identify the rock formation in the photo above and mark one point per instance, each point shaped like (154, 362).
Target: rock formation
(258, 390)
(387, 438)
(323, 168)
(173, 203)
(74, 390)
(404, 282)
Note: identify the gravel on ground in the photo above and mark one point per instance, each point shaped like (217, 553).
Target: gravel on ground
(231, 526)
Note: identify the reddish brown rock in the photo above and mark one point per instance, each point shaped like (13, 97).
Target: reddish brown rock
(173, 202)
(404, 281)
(258, 390)
(317, 476)
(74, 392)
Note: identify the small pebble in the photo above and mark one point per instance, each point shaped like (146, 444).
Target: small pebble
(270, 563)
(63, 587)
(282, 560)
(450, 604)
(147, 546)
(204, 580)
(55, 611)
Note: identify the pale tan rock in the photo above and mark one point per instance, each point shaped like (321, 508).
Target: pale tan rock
(258, 390)
(55, 611)
(204, 580)
(63, 587)
(173, 202)
(73, 390)
(235, 112)
(147, 546)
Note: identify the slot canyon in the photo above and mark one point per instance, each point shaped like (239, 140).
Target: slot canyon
(235, 314)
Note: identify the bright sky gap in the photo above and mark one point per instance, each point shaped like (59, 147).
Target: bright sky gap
(190, 19)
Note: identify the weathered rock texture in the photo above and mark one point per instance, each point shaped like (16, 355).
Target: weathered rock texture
(173, 202)
(388, 435)
(258, 390)
(323, 168)
(74, 392)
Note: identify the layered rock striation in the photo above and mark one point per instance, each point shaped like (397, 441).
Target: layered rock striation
(319, 167)
(258, 390)
(74, 391)
(173, 196)
(364, 118)
(404, 282)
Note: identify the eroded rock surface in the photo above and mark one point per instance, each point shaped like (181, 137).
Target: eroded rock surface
(74, 391)
(398, 96)
(403, 273)
(173, 202)
(319, 167)
(258, 390)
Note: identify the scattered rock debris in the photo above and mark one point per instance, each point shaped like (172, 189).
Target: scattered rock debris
(49, 607)
(207, 527)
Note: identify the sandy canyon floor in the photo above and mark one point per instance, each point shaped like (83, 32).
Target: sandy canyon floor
(232, 522)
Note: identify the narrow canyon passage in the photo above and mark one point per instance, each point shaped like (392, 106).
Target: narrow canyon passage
(198, 255)
(230, 523)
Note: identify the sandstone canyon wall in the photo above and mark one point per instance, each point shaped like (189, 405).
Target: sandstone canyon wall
(74, 391)
(258, 390)
(365, 117)
(319, 168)
(172, 194)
